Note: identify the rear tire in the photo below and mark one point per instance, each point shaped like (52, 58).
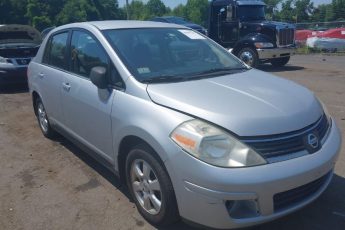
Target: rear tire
(279, 62)
(249, 56)
(43, 120)
(150, 187)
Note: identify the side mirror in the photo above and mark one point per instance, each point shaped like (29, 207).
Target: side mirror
(229, 13)
(222, 10)
(98, 77)
(222, 15)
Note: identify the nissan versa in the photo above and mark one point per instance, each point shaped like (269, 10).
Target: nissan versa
(192, 131)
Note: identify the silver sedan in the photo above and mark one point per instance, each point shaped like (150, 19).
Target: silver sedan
(190, 129)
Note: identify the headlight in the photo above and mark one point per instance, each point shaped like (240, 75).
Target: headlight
(263, 45)
(214, 146)
(325, 110)
(3, 60)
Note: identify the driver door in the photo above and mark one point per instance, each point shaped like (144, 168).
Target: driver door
(86, 108)
(229, 32)
(229, 29)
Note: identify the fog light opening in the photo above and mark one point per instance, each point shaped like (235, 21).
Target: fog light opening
(239, 209)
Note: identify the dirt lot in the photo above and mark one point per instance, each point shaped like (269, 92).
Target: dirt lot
(53, 185)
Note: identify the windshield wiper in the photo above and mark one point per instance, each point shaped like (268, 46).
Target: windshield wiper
(163, 78)
(207, 73)
(218, 71)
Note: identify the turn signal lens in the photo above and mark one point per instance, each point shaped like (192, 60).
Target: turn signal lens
(263, 45)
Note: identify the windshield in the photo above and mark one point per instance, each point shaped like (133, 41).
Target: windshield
(177, 20)
(153, 54)
(251, 12)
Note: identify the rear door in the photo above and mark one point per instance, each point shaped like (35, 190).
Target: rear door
(86, 109)
(49, 75)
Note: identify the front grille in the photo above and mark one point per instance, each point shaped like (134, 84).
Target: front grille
(294, 196)
(280, 146)
(286, 36)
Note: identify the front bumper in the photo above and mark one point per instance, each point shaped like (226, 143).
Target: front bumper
(276, 52)
(13, 76)
(202, 190)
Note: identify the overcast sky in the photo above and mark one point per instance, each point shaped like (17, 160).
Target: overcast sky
(173, 3)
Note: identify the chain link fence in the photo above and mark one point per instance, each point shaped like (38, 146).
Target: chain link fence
(328, 37)
(320, 26)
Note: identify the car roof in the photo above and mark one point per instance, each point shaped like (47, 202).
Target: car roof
(123, 24)
(169, 17)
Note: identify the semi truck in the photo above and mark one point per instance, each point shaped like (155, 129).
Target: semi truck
(241, 27)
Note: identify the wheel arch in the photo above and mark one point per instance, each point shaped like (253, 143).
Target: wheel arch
(127, 143)
(34, 96)
(249, 40)
(240, 46)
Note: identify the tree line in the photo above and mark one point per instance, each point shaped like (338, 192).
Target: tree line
(45, 13)
(305, 11)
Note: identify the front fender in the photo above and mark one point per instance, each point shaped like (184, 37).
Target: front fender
(142, 118)
(249, 40)
(141, 132)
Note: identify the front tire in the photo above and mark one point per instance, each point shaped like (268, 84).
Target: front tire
(150, 187)
(249, 56)
(42, 119)
(279, 62)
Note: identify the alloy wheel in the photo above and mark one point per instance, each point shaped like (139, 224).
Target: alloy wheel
(146, 186)
(42, 117)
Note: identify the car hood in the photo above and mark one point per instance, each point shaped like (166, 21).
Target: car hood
(269, 24)
(250, 103)
(13, 33)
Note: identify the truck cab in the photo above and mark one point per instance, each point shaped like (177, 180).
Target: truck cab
(241, 27)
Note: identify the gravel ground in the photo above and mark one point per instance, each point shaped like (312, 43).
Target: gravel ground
(53, 185)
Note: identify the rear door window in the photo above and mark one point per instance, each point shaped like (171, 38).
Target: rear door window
(57, 48)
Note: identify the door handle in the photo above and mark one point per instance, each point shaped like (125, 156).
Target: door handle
(41, 75)
(66, 86)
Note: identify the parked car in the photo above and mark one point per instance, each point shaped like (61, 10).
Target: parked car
(302, 35)
(18, 45)
(190, 129)
(331, 40)
(180, 21)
